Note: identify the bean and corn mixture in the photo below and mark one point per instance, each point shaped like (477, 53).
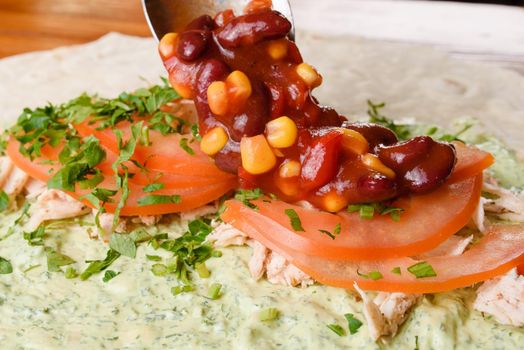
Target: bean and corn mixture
(259, 119)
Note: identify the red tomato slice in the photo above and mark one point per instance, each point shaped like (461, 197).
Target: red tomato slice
(164, 154)
(193, 194)
(501, 249)
(470, 161)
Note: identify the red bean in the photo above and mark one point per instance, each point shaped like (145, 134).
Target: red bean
(228, 160)
(375, 187)
(192, 44)
(204, 22)
(223, 17)
(423, 163)
(376, 135)
(253, 28)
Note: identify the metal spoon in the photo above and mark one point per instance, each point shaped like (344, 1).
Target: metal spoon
(165, 16)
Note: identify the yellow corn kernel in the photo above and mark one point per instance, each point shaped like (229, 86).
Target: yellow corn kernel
(217, 98)
(290, 168)
(278, 152)
(257, 156)
(372, 162)
(354, 142)
(289, 188)
(239, 86)
(277, 49)
(309, 75)
(214, 141)
(167, 45)
(281, 132)
(333, 202)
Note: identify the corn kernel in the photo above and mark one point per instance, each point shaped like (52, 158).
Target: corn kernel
(217, 98)
(239, 86)
(278, 152)
(214, 141)
(277, 49)
(354, 142)
(309, 75)
(333, 202)
(257, 156)
(281, 132)
(373, 162)
(289, 187)
(167, 45)
(290, 168)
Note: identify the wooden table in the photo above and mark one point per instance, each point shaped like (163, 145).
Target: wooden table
(28, 25)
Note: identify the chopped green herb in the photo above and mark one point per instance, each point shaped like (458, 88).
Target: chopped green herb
(332, 236)
(99, 195)
(153, 257)
(269, 314)
(153, 187)
(5, 266)
(246, 196)
(55, 260)
(159, 270)
(123, 244)
(202, 270)
(353, 323)
(214, 291)
(182, 289)
(109, 275)
(185, 146)
(422, 270)
(32, 267)
(195, 132)
(36, 237)
(367, 211)
(374, 275)
(4, 200)
(336, 231)
(396, 270)
(294, 219)
(337, 329)
(70, 273)
(403, 132)
(98, 266)
(159, 199)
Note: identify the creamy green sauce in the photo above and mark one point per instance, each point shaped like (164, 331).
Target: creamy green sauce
(136, 310)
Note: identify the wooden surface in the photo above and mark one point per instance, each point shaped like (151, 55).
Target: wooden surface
(28, 25)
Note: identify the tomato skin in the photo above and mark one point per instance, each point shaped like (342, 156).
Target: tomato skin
(320, 160)
(520, 269)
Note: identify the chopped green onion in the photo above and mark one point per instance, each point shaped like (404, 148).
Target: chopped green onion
(396, 270)
(269, 314)
(214, 291)
(185, 147)
(181, 289)
(159, 270)
(70, 273)
(153, 187)
(153, 257)
(337, 329)
(202, 270)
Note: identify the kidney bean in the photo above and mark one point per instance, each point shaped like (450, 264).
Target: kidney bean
(204, 22)
(223, 17)
(375, 187)
(253, 28)
(423, 163)
(228, 160)
(375, 134)
(192, 44)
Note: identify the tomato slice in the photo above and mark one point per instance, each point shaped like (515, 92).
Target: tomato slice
(194, 193)
(501, 249)
(470, 161)
(164, 154)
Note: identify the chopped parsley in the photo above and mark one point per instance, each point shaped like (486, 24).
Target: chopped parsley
(403, 132)
(422, 270)
(269, 314)
(367, 211)
(123, 244)
(396, 270)
(294, 219)
(159, 199)
(153, 187)
(374, 275)
(353, 323)
(336, 231)
(5, 266)
(214, 291)
(70, 273)
(337, 329)
(98, 266)
(36, 237)
(55, 260)
(246, 196)
(185, 146)
(109, 275)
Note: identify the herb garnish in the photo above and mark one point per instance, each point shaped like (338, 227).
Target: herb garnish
(159, 199)
(374, 275)
(353, 323)
(5, 266)
(422, 270)
(246, 196)
(367, 211)
(214, 291)
(153, 187)
(185, 146)
(337, 329)
(109, 275)
(4, 200)
(97, 266)
(336, 231)
(123, 244)
(70, 273)
(294, 219)
(396, 270)
(55, 260)
(36, 237)
(269, 314)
